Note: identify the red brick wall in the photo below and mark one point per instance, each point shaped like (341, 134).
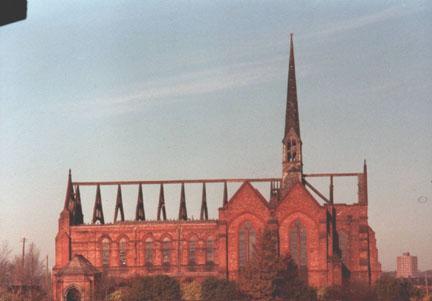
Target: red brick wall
(87, 241)
(247, 204)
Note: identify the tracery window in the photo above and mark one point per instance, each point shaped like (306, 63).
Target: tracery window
(298, 244)
(166, 251)
(148, 249)
(122, 251)
(210, 250)
(105, 251)
(247, 240)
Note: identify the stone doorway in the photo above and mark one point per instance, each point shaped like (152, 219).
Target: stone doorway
(73, 294)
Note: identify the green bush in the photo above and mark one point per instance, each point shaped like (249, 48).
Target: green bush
(191, 290)
(351, 292)
(153, 288)
(216, 289)
(393, 289)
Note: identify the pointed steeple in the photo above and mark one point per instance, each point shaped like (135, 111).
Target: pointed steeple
(182, 209)
(292, 114)
(78, 217)
(139, 214)
(119, 205)
(204, 210)
(69, 198)
(161, 205)
(292, 162)
(225, 194)
(97, 209)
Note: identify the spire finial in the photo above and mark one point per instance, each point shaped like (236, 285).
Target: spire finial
(119, 205)
(97, 210)
(69, 198)
(204, 210)
(182, 209)
(161, 206)
(78, 217)
(140, 214)
(225, 194)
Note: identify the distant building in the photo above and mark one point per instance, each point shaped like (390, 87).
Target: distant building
(406, 266)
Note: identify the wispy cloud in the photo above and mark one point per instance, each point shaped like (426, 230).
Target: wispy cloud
(217, 79)
(184, 85)
(362, 21)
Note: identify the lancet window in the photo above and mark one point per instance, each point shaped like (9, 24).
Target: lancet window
(247, 241)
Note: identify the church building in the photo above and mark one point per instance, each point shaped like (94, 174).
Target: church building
(332, 243)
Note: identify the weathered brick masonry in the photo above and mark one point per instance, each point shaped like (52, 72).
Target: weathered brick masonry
(332, 243)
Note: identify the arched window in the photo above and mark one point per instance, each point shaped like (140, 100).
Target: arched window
(247, 240)
(148, 248)
(292, 149)
(105, 251)
(166, 251)
(298, 244)
(210, 250)
(192, 250)
(344, 246)
(122, 251)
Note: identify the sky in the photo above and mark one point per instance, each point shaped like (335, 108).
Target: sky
(151, 90)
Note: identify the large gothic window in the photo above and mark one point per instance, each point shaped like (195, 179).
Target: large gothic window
(105, 251)
(298, 244)
(148, 249)
(247, 240)
(122, 251)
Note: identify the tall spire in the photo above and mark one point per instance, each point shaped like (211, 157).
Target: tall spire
(97, 209)
(161, 205)
(119, 205)
(291, 114)
(204, 210)
(139, 214)
(182, 209)
(292, 162)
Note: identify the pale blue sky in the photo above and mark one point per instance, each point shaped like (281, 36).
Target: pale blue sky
(196, 89)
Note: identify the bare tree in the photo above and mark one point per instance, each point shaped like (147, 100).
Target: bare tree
(24, 277)
(5, 265)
